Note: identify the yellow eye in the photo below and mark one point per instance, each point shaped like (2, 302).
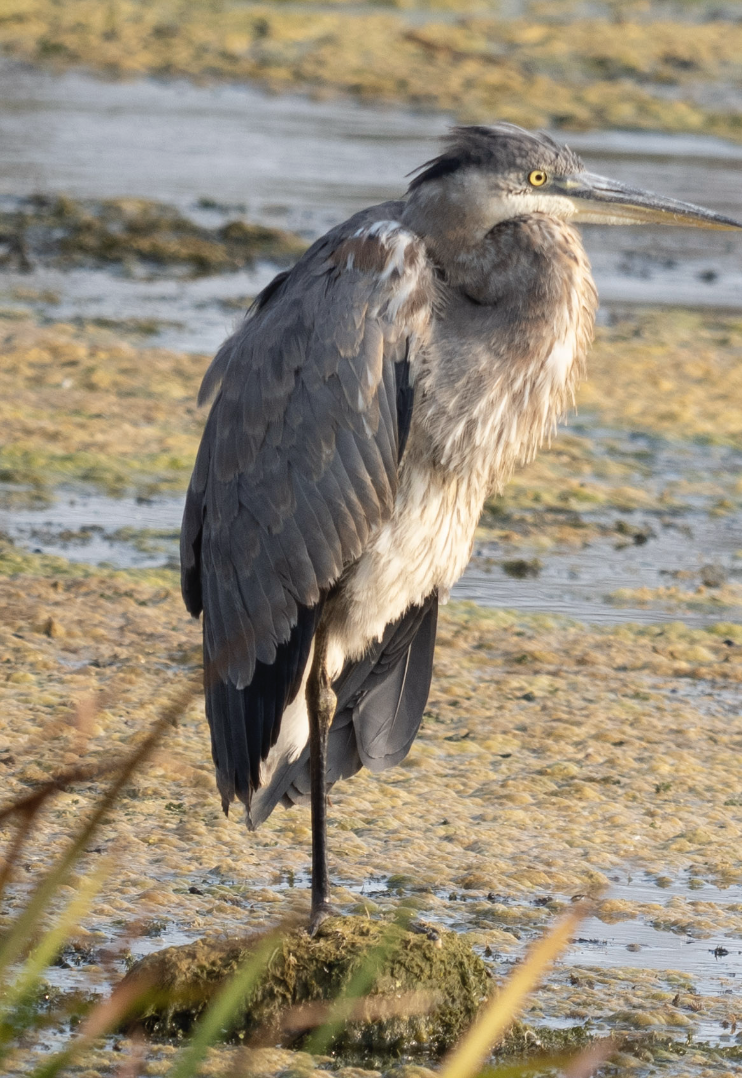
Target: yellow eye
(537, 178)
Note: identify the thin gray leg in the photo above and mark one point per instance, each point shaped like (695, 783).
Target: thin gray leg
(321, 703)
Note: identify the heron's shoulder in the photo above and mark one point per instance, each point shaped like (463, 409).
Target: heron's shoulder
(395, 263)
(372, 243)
(385, 247)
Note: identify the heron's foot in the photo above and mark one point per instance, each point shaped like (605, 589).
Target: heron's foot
(319, 914)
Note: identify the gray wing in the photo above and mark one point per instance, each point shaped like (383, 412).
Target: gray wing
(297, 465)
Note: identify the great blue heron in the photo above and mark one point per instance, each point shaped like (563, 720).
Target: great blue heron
(373, 397)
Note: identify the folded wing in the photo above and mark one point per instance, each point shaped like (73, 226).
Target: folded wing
(297, 466)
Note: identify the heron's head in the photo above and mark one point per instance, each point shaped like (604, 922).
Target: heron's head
(487, 175)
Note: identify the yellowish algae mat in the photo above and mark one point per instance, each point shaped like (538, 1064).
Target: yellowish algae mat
(554, 759)
(569, 65)
(81, 404)
(551, 757)
(85, 407)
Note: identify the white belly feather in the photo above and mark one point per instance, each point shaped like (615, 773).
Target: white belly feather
(427, 543)
(425, 546)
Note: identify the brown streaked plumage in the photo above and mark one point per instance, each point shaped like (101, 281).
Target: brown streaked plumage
(371, 400)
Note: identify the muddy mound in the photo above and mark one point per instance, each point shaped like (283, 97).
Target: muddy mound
(421, 988)
(134, 233)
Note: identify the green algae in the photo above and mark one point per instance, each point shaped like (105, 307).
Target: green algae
(40, 471)
(47, 1006)
(524, 1040)
(16, 563)
(83, 406)
(438, 968)
(146, 540)
(720, 598)
(133, 231)
(87, 405)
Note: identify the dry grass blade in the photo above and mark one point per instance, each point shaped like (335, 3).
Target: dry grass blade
(29, 806)
(308, 1016)
(468, 1056)
(582, 1065)
(537, 1064)
(133, 1065)
(31, 803)
(587, 1062)
(219, 1018)
(23, 830)
(21, 931)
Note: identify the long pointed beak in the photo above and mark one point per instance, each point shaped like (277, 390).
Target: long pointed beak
(606, 202)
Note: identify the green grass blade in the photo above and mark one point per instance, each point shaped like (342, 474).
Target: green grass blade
(104, 1017)
(358, 986)
(51, 942)
(221, 1014)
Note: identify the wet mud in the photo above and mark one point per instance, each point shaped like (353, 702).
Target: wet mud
(584, 741)
(136, 234)
(634, 513)
(554, 759)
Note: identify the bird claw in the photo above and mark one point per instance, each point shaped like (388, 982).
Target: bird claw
(318, 915)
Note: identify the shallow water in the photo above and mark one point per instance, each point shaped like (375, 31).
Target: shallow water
(682, 544)
(302, 164)
(87, 527)
(574, 583)
(713, 961)
(579, 583)
(636, 944)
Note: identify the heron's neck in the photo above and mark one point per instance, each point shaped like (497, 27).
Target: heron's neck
(508, 349)
(453, 217)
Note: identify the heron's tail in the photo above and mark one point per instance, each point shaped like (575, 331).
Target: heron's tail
(381, 700)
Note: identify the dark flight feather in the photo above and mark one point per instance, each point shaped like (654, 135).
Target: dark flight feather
(246, 722)
(381, 702)
(405, 398)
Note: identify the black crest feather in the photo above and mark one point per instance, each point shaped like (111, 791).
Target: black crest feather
(501, 148)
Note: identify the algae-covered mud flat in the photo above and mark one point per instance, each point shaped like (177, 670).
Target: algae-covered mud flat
(605, 526)
(583, 736)
(554, 760)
